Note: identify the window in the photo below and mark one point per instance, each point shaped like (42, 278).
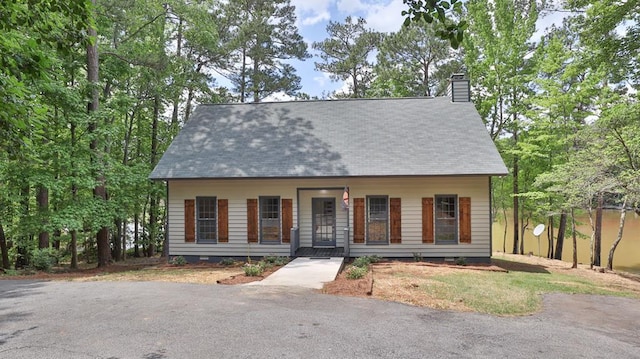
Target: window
(446, 219)
(270, 219)
(377, 219)
(207, 219)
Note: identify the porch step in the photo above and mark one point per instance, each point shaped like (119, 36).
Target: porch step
(305, 272)
(320, 252)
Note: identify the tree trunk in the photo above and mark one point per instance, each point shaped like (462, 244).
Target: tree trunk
(506, 221)
(117, 241)
(3, 249)
(176, 100)
(74, 196)
(100, 190)
(524, 227)
(124, 240)
(256, 84)
(243, 75)
(593, 235)
(562, 227)
(356, 94)
(550, 238)
(74, 249)
(56, 239)
(43, 205)
(597, 243)
(136, 237)
(623, 215)
(22, 259)
(516, 199)
(575, 241)
(153, 206)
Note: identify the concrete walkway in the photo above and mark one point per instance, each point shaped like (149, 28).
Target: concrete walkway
(305, 272)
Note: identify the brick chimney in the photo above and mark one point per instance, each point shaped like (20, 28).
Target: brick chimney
(459, 88)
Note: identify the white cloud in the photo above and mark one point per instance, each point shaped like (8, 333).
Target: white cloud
(385, 18)
(324, 16)
(310, 12)
(322, 80)
(351, 7)
(278, 97)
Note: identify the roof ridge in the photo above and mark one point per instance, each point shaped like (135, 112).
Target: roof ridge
(328, 100)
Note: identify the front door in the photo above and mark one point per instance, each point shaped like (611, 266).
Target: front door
(324, 222)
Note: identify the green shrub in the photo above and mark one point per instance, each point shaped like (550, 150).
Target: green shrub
(227, 261)
(253, 270)
(364, 262)
(276, 260)
(461, 261)
(354, 272)
(178, 261)
(42, 259)
(417, 257)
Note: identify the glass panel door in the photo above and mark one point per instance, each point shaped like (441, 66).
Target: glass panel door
(324, 222)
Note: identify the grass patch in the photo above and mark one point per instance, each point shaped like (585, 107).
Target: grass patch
(513, 293)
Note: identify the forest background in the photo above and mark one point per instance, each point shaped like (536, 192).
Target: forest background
(93, 92)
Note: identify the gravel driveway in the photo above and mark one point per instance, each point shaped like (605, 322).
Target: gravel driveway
(170, 320)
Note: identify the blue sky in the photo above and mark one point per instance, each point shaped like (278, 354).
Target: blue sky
(381, 15)
(313, 18)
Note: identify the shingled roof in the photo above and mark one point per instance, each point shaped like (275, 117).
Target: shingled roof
(334, 138)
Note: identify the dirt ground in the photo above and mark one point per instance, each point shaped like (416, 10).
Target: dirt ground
(388, 284)
(150, 269)
(140, 269)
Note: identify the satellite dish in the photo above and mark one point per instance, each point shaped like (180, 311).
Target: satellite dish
(538, 230)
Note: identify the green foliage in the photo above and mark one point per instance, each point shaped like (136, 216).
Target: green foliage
(227, 261)
(413, 62)
(345, 52)
(253, 270)
(263, 35)
(363, 262)
(461, 261)
(178, 261)
(417, 257)
(43, 259)
(356, 272)
(276, 260)
(444, 11)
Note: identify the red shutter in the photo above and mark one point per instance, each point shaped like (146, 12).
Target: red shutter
(223, 221)
(252, 220)
(427, 220)
(358, 220)
(287, 220)
(395, 209)
(464, 204)
(189, 220)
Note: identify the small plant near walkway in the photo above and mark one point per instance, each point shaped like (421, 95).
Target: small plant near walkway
(268, 262)
(355, 272)
(253, 269)
(276, 260)
(366, 260)
(360, 266)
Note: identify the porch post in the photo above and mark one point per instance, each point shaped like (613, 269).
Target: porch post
(346, 242)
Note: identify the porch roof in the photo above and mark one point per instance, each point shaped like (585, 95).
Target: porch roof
(332, 138)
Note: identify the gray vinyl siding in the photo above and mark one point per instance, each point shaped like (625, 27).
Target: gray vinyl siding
(411, 190)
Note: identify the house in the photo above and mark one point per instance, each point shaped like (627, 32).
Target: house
(390, 177)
